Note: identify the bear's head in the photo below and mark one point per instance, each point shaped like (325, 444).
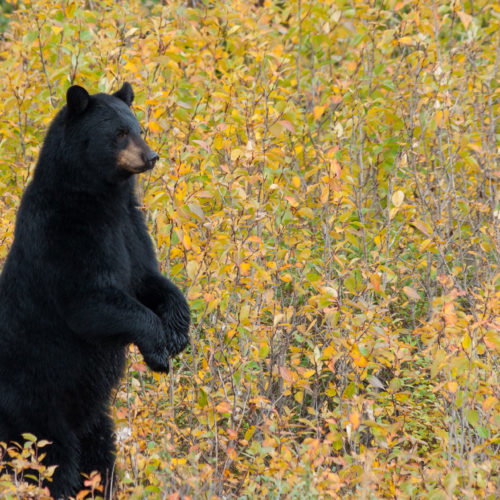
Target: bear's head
(105, 134)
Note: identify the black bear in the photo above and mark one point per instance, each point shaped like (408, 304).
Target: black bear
(80, 283)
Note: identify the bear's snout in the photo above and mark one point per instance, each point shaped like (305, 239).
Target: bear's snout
(150, 159)
(137, 156)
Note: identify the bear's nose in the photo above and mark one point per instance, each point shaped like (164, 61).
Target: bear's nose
(151, 159)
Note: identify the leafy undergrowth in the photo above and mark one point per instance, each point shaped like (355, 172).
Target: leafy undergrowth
(328, 199)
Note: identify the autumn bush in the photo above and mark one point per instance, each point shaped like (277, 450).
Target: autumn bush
(328, 198)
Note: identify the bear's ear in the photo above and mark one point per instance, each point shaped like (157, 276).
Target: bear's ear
(77, 99)
(126, 94)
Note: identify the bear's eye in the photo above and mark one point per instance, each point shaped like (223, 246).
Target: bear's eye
(122, 133)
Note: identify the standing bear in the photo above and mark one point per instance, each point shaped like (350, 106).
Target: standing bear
(80, 283)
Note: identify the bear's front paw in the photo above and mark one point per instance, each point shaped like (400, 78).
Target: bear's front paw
(178, 340)
(175, 319)
(155, 349)
(157, 361)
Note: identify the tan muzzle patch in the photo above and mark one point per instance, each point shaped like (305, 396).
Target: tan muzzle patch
(131, 158)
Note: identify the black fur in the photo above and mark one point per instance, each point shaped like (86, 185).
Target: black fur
(126, 94)
(80, 283)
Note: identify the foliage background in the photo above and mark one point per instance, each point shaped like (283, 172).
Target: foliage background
(328, 199)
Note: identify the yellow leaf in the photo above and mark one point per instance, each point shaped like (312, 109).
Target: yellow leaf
(262, 352)
(452, 386)
(249, 432)
(492, 340)
(276, 130)
(357, 357)
(397, 198)
(475, 147)
(130, 66)
(406, 40)
(186, 241)
(296, 181)
(335, 168)
(329, 290)
(325, 192)
(466, 342)
(278, 318)
(70, 9)
(318, 111)
(439, 118)
(218, 142)
(392, 212)
(465, 18)
(154, 127)
(235, 154)
(329, 351)
(426, 244)
(422, 226)
(196, 210)
(191, 269)
(271, 265)
(234, 29)
(306, 212)
(244, 313)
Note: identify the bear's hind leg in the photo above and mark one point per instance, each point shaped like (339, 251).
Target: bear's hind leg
(64, 453)
(98, 453)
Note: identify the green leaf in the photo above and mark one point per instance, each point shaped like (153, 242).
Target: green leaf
(473, 417)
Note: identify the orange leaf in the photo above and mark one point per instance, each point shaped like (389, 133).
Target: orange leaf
(93, 481)
(287, 374)
(223, 407)
(354, 418)
(140, 367)
(411, 293)
(288, 126)
(489, 403)
(375, 280)
(449, 314)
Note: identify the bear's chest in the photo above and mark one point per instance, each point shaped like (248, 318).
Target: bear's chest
(127, 253)
(118, 253)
